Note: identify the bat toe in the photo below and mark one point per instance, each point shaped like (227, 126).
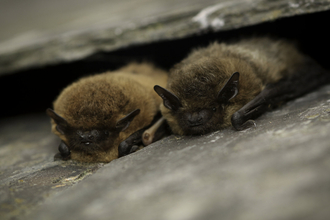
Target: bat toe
(124, 149)
(246, 125)
(134, 148)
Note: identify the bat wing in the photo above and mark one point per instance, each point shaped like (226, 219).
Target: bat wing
(307, 76)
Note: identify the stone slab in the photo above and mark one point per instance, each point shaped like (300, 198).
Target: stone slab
(28, 172)
(278, 170)
(40, 33)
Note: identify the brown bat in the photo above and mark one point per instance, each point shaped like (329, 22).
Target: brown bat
(231, 84)
(101, 117)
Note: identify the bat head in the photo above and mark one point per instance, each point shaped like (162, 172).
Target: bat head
(91, 141)
(203, 116)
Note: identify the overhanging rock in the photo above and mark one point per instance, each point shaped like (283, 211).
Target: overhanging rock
(114, 25)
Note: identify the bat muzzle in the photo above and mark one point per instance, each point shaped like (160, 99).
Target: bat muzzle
(88, 137)
(197, 119)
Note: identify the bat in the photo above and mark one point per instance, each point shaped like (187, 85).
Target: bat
(232, 84)
(102, 117)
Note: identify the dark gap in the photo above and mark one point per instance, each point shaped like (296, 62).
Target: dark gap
(34, 90)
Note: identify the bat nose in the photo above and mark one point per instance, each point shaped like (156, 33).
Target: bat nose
(194, 123)
(194, 119)
(88, 136)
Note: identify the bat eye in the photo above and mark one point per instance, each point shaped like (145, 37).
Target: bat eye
(214, 109)
(106, 132)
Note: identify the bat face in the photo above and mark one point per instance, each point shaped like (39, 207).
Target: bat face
(91, 142)
(196, 122)
(204, 117)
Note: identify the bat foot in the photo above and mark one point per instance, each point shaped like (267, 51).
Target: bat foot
(246, 125)
(126, 148)
(123, 149)
(134, 148)
(144, 136)
(58, 157)
(64, 150)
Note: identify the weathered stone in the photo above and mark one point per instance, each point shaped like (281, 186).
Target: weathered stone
(72, 33)
(28, 173)
(278, 170)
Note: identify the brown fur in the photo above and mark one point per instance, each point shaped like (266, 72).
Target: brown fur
(99, 101)
(197, 79)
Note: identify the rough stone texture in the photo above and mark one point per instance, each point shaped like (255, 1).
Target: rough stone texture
(38, 33)
(28, 172)
(278, 170)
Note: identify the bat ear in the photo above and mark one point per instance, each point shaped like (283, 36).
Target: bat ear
(171, 101)
(230, 89)
(123, 123)
(61, 123)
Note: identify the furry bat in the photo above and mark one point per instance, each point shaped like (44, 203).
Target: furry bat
(95, 114)
(232, 84)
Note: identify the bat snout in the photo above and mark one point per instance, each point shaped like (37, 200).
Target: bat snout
(88, 136)
(194, 120)
(197, 118)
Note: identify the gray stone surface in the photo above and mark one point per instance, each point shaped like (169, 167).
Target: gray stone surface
(278, 170)
(35, 33)
(28, 172)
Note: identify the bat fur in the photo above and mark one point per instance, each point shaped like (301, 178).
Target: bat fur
(203, 94)
(96, 105)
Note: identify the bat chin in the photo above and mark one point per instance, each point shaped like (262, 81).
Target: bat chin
(87, 143)
(197, 130)
(88, 147)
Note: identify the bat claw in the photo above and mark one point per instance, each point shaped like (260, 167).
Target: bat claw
(123, 149)
(246, 125)
(58, 157)
(134, 148)
(252, 124)
(126, 148)
(64, 150)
